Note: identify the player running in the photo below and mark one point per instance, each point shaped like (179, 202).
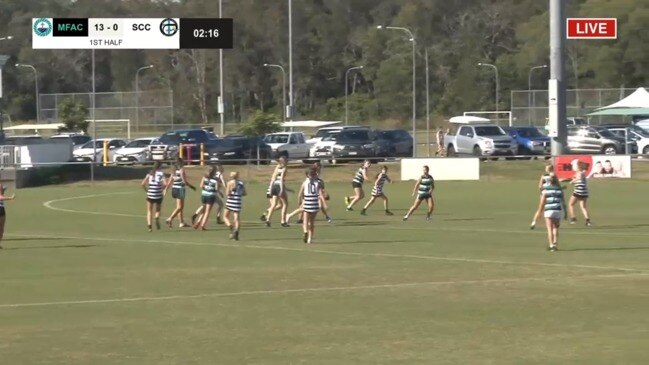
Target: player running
(579, 194)
(3, 214)
(323, 204)
(377, 191)
(235, 190)
(357, 184)
(553, 204)
(311, 195)
(424, 190)
(543, 181)
(155, 184)
(218, 202)
(178, 184)
(209, 184)
(277, 188)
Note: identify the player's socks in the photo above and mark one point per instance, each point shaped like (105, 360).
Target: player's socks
(388, 212)
(149, 226)
(157, 223)
(305, 237)
(364, 211)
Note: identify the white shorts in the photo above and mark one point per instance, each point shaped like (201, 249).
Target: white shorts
(553, 214)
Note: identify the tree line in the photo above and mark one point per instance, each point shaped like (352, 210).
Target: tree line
(330, 36)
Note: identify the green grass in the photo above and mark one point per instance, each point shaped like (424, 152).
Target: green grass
(475, 286)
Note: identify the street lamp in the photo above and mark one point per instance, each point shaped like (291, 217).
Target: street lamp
(137, 94)
(38, 106)
(221, 106)
(7, 38)
(414, 82)
(529, 91)
(347, 90)
(283, 84)
(290, 59)
(497, 81)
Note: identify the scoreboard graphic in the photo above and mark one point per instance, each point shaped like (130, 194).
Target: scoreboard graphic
(132, 33)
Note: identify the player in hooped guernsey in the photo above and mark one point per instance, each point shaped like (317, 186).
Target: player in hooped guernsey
(357, 184)
(424, 191)
(323, 202)
(209, 186)
(218, 202)
(310, 194)
(235, 190)
(553, 205)
(278, 194)
(377, 191)
(178, 189)
(3, 214)
(155, 184)
(579, 194)
(543, 181)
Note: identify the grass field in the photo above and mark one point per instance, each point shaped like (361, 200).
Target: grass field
(83, 282)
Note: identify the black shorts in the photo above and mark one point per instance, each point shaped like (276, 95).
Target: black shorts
(580, 196)
(2, 212)
(154, 201)
(178, 193)
(207, 199)
(357, 185)
(275, 190)
(425, 196)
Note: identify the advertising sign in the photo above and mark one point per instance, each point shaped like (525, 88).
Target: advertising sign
(604, 166)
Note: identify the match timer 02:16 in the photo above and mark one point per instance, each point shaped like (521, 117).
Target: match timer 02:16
(206, 33)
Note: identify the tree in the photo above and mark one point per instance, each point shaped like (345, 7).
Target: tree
(73, 115)
(261, 123)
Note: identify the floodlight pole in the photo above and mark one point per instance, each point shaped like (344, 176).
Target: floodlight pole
(557, 87)
(529, 91)
(221, 105)
(497, 82)
(137, 94)
(283, 84)
(94, 122)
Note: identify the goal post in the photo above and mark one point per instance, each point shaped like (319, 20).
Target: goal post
(496, 116)
(110, 127)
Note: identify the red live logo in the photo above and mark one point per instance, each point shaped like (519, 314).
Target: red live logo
(592, 28)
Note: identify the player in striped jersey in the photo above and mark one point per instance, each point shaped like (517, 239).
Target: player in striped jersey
(155, 184)
(553, 205)
(3, 214)
(218, 202)
(377, 191)
(357, 184)
(311, 195)
(278, 194)
(323, 202)
(424, 191)
(543, 181)
(579, 193)
(209, 185)
(235, 190)
(178, 184)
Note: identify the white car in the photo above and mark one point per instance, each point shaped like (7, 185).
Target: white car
(76, 139)
(136, 151)
(324, 148)
(86, 152)
(291, 145)
(325, 131)
(636, 134)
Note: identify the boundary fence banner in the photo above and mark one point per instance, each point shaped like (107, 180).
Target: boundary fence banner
(598, 166)
(441, 168)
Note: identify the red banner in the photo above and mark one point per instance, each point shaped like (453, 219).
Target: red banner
(592, 28)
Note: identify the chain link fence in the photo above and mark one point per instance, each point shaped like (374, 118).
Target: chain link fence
(530, 107)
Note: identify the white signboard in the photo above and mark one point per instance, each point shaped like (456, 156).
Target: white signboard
(441, 168)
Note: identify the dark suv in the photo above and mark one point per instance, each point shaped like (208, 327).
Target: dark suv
(165, 148)
(398, 142)
(358, 144)
(238, 149)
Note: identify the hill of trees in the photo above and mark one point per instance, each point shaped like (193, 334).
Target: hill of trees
(329, 37)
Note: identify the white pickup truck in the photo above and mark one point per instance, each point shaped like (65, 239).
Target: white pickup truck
(292, 145)
(479, 137)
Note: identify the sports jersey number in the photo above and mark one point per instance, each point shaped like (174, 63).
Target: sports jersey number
(313, 189)
(238, 189)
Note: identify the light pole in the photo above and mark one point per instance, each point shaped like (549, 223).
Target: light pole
(7, 38)
(529, 91)
(290, 59)
(38, 105)
(283, 84)
(137, 94)
(221, 106)
(347, 90)
(414, 83)
(497, 81)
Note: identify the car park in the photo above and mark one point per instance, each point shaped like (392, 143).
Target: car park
(238, 149)
(96, 149)
(134, 152)
(594, 140)
(77, 139)
(399, 142)
(530, 140)
(361, 143)
(323, 149)
(479, 137)
(166, 147)
(291, 145)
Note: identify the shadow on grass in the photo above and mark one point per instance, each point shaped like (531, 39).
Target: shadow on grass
(48, 247)
(468, 219)
(607, 249)
(613, 226)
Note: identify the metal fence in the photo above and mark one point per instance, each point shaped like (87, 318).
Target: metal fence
(530, 107)
(151, 108)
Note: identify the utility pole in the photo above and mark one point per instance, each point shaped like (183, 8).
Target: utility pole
(557, 87)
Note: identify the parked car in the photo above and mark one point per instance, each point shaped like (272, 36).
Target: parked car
(291, 145)
(238, 149)
(135, 152)
(637, 135)
(20, 140)
(399, 142)
(530, 140)
(594, 141)
(77, 139)
(165, 148)
(358, 143)
(85, 153)
(570, 122)
(326, 131)
(323, 149)
(480, 139)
